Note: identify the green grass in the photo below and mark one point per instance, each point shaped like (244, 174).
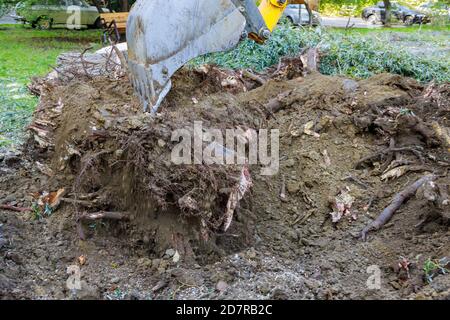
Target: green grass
(416, 29)
(25, 52)
(427, 42)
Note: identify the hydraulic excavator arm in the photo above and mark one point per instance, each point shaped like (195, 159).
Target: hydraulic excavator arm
(262, 19)
(163, 35)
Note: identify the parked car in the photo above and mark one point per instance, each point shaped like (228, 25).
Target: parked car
(435, 9)
(298, 15)
(50, 13)
(376, 14)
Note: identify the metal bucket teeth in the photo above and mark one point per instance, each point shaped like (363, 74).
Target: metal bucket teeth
(163, 35)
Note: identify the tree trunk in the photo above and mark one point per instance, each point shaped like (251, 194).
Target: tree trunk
(313, 4)
(387, 15)
(98, 6)
(125, 5)
(308, 8)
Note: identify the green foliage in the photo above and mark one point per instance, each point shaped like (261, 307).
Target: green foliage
(431, 268)
(116, 5)
(37, 215)
(363, 57)
(286, 40)
(344, 7)
(349, 54)
(6, 6)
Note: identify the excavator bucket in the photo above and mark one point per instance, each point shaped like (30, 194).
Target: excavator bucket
(163, 35)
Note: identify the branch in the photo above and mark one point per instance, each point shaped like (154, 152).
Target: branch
(83, 62)
(103, 215)
(388, 151)
(398, 200)
(13, 208)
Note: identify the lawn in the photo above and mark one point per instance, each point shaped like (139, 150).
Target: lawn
(427, 40)
(25, 52)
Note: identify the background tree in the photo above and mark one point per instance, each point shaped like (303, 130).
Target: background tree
(125, 6)
(387, 15)
(98, 5)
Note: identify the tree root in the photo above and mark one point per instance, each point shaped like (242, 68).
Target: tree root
(310, 60)
(89, 217)
(254, 77)
(388, 151)
(355, 180)
(398, 200)
(276, 104)
(390, 156)
(414, 123)
(83, 62)
(13, 208)
(442, 135)
(84, 203)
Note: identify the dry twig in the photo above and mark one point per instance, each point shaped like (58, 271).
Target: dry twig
(13, 208)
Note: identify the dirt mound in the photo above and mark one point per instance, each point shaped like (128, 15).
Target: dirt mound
(347, 148)
(99, 142)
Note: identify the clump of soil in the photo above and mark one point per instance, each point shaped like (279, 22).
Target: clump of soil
(343, 144)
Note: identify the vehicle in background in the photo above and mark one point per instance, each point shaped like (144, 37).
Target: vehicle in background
(435, 9)
(298, 15)
(62, 13)
(376, 14)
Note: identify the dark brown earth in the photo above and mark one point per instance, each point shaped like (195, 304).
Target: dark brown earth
(89, 137)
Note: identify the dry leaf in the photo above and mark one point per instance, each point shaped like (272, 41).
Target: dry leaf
(395, 173)
(229, 82)
(48, 199)
(176, 257)
(326, 158)
(341, 206)
(236, 195)
(308, 130)
(82, 260)
(188, 203)
(44, 169)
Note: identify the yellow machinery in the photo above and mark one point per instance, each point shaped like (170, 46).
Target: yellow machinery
(163, 35)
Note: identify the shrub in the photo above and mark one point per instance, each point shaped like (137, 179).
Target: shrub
(352, 55)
